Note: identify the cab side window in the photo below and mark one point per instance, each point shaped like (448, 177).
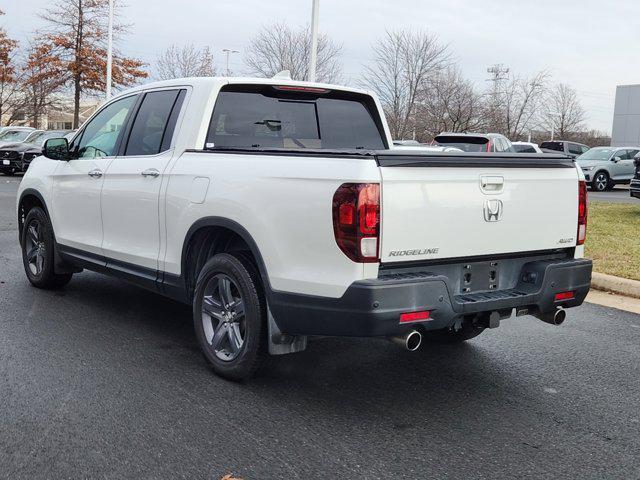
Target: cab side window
(100, 136)
(155, 122)
(575, 149)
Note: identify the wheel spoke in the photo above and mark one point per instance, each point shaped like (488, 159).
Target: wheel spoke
(235, 338)
(39, 262)
(224, 290)
(237, 307)
(31, 254)
(212, 307)
(33, 233)
(220, 333)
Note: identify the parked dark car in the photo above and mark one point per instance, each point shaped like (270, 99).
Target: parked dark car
(634, 186)
(16, 157)
(474, 142)
(572, 149)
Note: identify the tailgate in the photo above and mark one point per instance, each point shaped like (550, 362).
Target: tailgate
(438, 207)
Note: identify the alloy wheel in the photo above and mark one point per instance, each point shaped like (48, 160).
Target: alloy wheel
(223, 317)
(35, 247)
(601, 182)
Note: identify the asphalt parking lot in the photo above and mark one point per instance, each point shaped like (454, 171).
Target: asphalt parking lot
(104, 380)
(619, 194)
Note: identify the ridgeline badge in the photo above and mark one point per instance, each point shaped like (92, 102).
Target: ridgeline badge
(406, 253)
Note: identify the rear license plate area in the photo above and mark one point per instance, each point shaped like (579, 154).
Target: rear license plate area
(480, 276)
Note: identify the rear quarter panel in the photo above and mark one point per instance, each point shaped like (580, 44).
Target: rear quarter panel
(284, 202)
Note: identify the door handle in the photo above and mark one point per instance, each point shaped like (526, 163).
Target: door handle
(95, 173)
(491, 184)
(151, 172)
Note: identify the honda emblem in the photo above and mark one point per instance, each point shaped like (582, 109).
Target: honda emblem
(493, 210)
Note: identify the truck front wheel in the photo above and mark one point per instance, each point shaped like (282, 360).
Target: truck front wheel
(229, 315)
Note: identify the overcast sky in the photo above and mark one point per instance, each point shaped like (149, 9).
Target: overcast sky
(591, 45)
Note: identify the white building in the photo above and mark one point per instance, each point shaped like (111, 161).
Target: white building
(626, 116)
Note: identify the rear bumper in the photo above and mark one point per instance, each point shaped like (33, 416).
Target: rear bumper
(634, 188)
(373, 307)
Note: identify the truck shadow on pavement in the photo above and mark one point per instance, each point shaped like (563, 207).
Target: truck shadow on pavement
(352, 376)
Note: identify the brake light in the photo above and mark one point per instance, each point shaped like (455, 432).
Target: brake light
(564, 296)
(296, 88)
(414, 316)
(489, 146)
(356, 221)
(582, 212)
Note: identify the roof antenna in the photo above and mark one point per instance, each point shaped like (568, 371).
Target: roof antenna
(284, 74)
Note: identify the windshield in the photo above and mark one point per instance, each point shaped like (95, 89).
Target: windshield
(597, 154)
(33, 137)
(273, 117)
(14, 135)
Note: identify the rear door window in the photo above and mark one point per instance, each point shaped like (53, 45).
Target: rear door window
(264, 117)
(152, 131)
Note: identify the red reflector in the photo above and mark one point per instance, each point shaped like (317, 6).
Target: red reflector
(564, 296)
(414, 316)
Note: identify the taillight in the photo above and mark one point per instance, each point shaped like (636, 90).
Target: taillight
(582, 212)
(356, 220)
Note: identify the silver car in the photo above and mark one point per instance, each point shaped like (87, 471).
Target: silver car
(605, 167)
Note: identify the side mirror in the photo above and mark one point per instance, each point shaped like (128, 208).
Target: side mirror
(616, 159)
(56, 149)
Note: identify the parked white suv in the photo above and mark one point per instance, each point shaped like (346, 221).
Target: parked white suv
(278, 211)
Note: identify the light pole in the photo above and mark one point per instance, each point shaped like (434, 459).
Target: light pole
(228, 52)
(313, 58)
(109, 50)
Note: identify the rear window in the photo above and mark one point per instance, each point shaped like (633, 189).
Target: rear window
(466, 144)
(524, 148)
(265, 117)
(558, 146)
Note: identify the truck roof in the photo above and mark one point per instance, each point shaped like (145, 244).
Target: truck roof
(211, 82)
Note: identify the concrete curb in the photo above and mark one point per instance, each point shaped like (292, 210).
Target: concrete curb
(619, 285)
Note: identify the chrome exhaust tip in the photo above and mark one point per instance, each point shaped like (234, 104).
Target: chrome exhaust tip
(553, 318)
(410, 341)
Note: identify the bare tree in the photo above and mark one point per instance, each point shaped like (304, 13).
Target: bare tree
(404, 62)
(278, 47)
(512, 109)
(562, 111)
(185, 61)
(448, 103)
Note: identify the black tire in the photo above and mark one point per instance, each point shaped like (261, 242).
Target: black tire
(37, 251)
(600, 182)
(239, 363)
(450, 335)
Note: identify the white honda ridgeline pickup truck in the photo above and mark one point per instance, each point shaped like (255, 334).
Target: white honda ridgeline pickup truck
(279, 210)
